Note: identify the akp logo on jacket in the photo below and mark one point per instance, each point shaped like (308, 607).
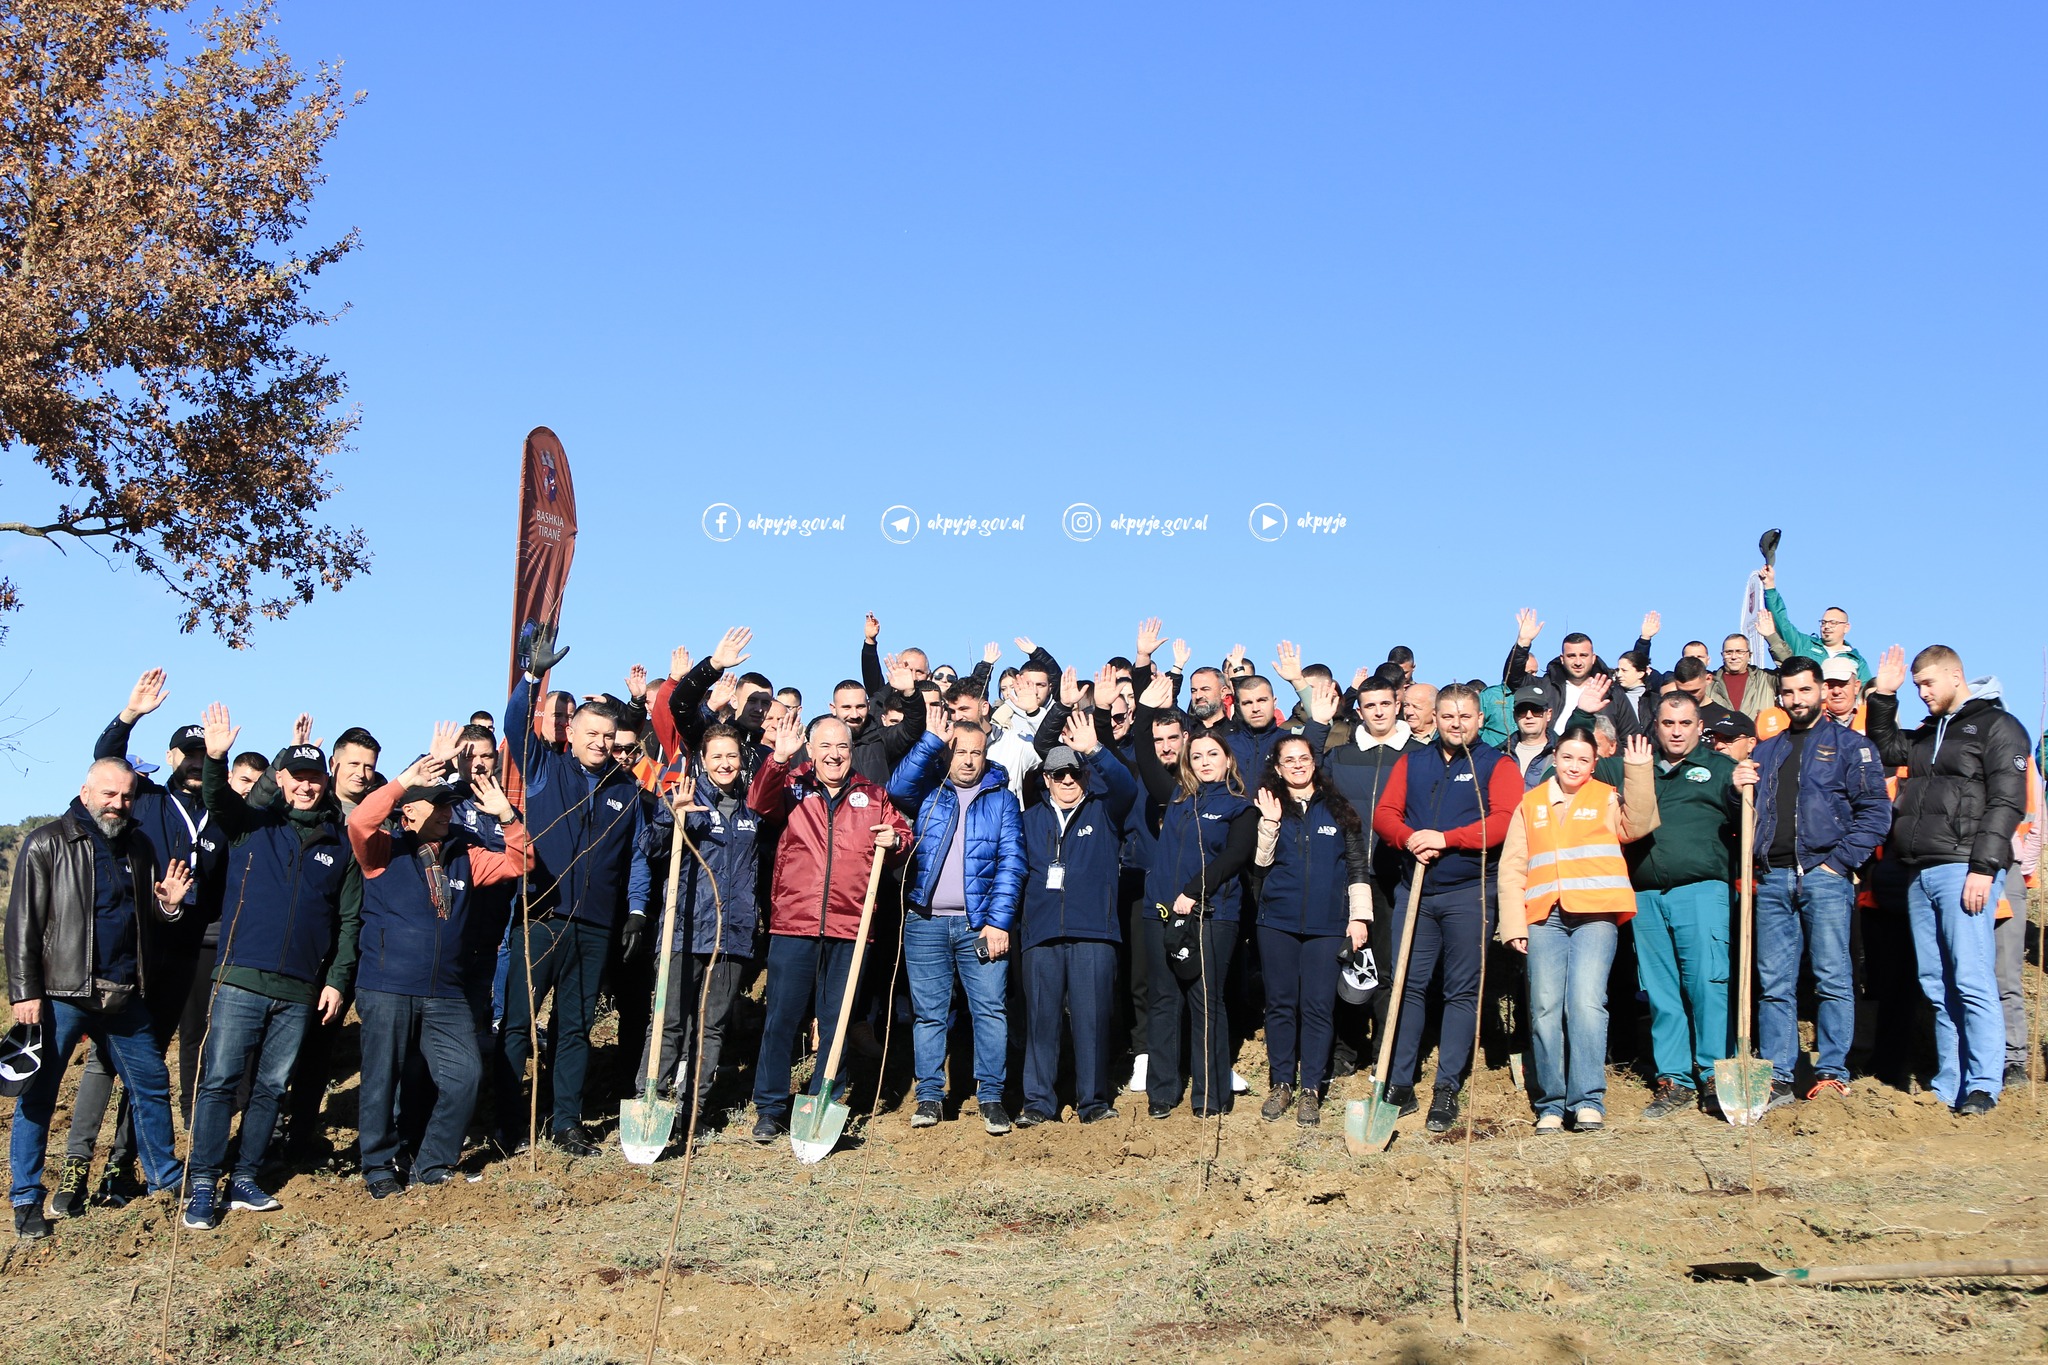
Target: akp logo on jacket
(324, 859)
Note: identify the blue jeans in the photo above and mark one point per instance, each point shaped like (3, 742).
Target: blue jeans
(936, 948)
(1068, 979)
(443, 1032)
(1682, 965)
(1301, 973)
(806, 980)
(1569, 959)
(1957, 952)
(244, 1025)
(124, 1036)
(1804, 916)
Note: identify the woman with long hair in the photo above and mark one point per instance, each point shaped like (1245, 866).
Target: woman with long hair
(1314, 873)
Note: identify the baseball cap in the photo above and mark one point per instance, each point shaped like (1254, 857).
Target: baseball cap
(1839, 668)
(189, 737)
(21, 1057)
(1732, 726)
(1532, 697)
(441, 793)
(304, 758)
(1060, 758)
(1358, 976)
(142, 765)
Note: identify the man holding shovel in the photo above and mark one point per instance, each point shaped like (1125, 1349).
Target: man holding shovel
(831, 821)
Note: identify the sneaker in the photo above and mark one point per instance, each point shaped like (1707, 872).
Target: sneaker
(382, 1183)
(1550, 1123)
(202, 1214)
(1309, 1111)
(1588, 1120)
(1781, 1095)
(1402, 1097)
(927, 1114)
(2015, 1074)
(29, 1223)
(431, 1178)
(767, 1130)
(1671, 1097)
(1278, 1101)
(1443, 1111)
(1099, 1113)
(573, 1141)
(1826, 1085)
(995, 1119)
(1031, 1118)
(1976, 1104)
(246, 1196)
(1158, 1110)
(1239, 1085)
(70, 1199)
(1138, 1069)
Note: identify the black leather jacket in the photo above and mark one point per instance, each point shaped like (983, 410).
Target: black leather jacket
(50, 912)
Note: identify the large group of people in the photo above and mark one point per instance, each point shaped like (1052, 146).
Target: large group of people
(1097, 886)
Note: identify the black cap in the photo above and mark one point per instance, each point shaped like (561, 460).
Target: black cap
(441, 793)
(303, 758)
(1734, 725)
(189, 737)
(1532, 698)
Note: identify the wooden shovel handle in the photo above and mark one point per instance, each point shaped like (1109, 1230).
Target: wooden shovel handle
(665, 947)
(1400, 986)
(1918, 1270)
(860, 950)
(1746, 957)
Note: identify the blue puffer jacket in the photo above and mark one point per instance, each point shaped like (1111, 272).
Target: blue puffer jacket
(995, 834)
(1843, 810)
(1088, 851)
(726, 832)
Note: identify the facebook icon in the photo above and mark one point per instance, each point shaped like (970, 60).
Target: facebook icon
(721, 521)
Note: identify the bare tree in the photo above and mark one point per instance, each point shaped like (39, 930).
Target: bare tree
(151, 292)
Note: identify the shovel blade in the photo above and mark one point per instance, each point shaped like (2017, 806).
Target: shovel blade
(1369, 1124)
(815, 1126)
(1743, 1087)
(645, 1127)
(1747, 1271)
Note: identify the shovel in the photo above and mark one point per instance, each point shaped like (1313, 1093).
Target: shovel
(1369, 1124)
(647, 1123)
(1742, 1083)
(819, 1119)
(1757, 1273)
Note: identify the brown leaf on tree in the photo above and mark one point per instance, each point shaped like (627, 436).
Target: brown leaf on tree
(152, 290)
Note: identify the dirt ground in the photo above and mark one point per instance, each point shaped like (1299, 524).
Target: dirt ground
(1123, 1241)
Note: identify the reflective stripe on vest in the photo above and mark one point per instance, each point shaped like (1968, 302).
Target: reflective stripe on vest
(1574, 857)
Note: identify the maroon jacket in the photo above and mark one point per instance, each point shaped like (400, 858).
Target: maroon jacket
(825, 852)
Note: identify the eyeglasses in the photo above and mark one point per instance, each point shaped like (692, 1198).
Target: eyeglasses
(1063, 775)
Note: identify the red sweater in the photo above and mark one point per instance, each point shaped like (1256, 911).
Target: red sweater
(1503, 795)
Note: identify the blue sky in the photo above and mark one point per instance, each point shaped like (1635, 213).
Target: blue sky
(1554, 306)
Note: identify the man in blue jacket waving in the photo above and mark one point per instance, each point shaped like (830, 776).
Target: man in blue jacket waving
(964, 885)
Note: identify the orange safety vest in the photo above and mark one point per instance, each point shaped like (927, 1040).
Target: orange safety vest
(1574, 856)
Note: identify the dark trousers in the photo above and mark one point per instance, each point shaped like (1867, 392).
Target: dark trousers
(1200, 1003)
(311, 1074)
(192, 1027)
(1359, 1028)
(566, 957)
(1069, 981)
(442, 1033)
(1133, 967)
(677, 1069)
(1451, 929)
(1301, 997)
(806, 980)
(170, 979)
(632, 990)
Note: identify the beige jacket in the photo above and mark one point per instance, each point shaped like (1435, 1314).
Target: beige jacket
(1631, 814)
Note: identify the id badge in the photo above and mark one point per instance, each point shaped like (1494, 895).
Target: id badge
(1055, 876)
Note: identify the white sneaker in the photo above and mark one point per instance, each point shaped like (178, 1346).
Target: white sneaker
(1137, 1081)
(1550, 1123)
(1239, 1085)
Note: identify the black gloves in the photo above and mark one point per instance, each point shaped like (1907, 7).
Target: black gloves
(632, 937)
(541, 654)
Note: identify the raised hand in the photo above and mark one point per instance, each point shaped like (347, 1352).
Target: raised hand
(1593, 692)
(1070, 688)
(1364, 671)
(732, 649)
(900, 677)
(1079, 734)
(1236, 657)
(1105, 687)
(1025, 643)
(149, 692)
(1150, 636)
(1637, 750)
(1269, 807)
(1891, 671)
(1181, 655)
(871, 628)
(789, 737)
(172, 890)
(721, 693)
(541, 652)
(636, 682)
(938, 720)
(302, 729)
(1323, 697)
(442, 748)
(1158, 692)
(991, 653)
(678, 663)
(1768, 576)
(1767, 623)
(1527, 627)
(1652, 623)
(220, 730)
(1288, 665)
(490, 798)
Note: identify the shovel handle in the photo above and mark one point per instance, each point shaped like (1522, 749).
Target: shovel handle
(1916, 1270)
(1746, 956)
(1400, 983)
(860, 951)
(665, 948)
